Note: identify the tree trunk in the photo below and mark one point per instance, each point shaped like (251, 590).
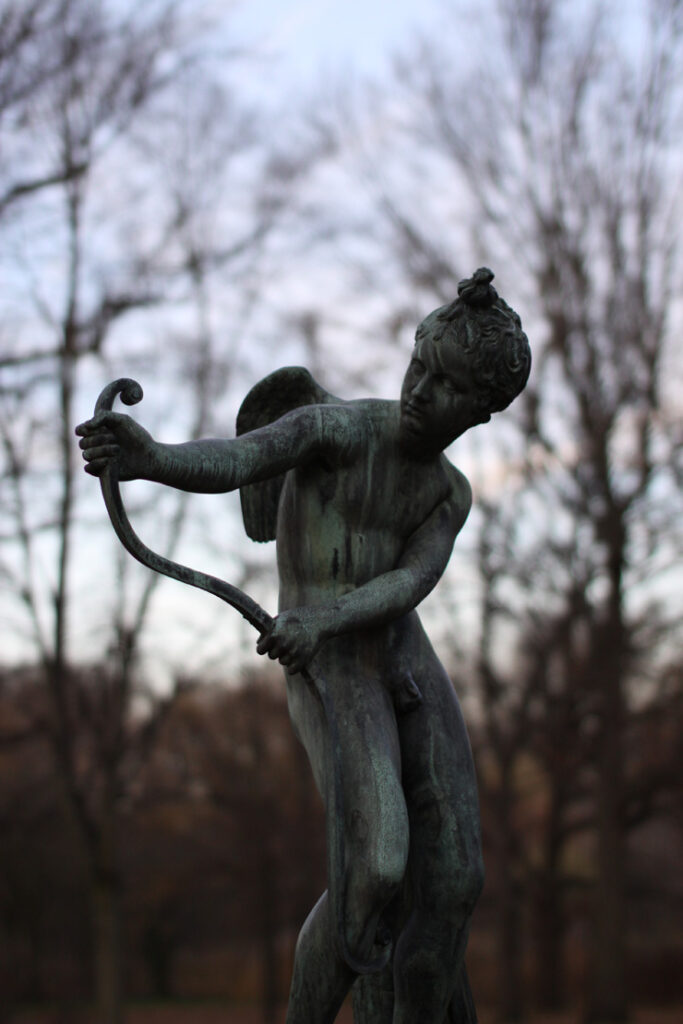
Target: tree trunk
(269, 959)
(607, 993)
(549, 932)
(157, 947)
(107, 951)
(510, 937)
(549, 911)
(510, 965)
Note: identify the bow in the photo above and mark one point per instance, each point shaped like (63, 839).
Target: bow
(131, 393)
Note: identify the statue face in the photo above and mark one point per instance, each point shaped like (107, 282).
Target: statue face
(439, 400)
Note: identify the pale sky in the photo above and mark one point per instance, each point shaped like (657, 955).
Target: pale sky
(310, 36)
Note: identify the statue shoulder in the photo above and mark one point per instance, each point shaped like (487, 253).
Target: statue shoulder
(351, 427)
(460, 493)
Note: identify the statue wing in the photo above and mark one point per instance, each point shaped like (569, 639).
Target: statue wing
(277, 394)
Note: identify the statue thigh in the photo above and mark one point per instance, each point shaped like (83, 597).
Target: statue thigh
(366, 757)
(439, 782)
(445, 871)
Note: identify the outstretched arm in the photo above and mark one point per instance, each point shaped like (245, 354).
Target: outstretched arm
(298, 633)
(417, 572)
(207, 466)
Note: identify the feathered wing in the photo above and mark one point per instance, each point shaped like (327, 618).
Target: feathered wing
(278, 393)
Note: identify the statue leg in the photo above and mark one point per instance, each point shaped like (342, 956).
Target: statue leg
(321, 978)
(374, 833)
(373, 999)
(445, 866)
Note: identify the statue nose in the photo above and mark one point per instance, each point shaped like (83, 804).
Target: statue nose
(421, 389)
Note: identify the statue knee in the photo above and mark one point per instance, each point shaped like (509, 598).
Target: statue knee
(455, 892)
(385, 881)
(465, 886)
(371, 889)
(378, 853)
(474, 881)
(373, 886)
(450, 866)
(377, 858)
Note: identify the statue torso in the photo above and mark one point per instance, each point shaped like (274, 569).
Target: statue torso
(344, 518)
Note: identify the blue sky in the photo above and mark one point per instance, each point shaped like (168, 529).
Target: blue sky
(310, 36)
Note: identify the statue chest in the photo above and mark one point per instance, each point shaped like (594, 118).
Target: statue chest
(359, 503)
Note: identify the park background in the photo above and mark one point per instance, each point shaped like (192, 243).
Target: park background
(193, 194)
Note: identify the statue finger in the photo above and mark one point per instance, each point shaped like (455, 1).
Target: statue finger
(277, 648)
(102, 452)
(102, 419)
(83, 429)
(90, 426)
(270, 645)
(264, 642)
(96, 440)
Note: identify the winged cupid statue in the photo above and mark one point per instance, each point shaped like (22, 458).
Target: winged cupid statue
(364, 508)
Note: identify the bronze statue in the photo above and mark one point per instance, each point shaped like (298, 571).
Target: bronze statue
(365, 509)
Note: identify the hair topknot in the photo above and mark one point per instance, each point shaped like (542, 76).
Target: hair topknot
(477, 291)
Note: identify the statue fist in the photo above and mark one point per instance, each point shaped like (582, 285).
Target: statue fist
(113, 439)
(294, 637)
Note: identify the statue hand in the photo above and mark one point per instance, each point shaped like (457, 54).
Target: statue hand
(111, 438)
(294, 637)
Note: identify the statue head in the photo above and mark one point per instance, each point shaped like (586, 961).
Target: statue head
(471, 359)
(489, 332)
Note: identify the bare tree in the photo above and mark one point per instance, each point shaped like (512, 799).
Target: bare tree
(260, 825)
(113, 206)
(551, 152)
(536, 708)
(573, 173)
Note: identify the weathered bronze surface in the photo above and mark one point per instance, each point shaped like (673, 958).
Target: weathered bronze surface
(365, 509)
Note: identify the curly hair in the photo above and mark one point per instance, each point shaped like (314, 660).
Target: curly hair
(486, 328)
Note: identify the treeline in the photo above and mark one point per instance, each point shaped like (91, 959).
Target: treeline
(219, 853)
(218, 848)
(156, 225)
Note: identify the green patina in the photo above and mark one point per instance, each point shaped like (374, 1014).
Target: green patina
(365, 509)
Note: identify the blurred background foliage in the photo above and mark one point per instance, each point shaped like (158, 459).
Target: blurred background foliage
(159, 832)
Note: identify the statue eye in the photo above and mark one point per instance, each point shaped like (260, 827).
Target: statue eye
(448, 384)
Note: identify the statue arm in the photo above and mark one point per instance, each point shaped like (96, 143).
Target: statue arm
(297, 633)
(394, 593)
(216, 465)
(211, 465)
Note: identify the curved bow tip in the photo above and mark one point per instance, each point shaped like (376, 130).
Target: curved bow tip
(130, 391)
